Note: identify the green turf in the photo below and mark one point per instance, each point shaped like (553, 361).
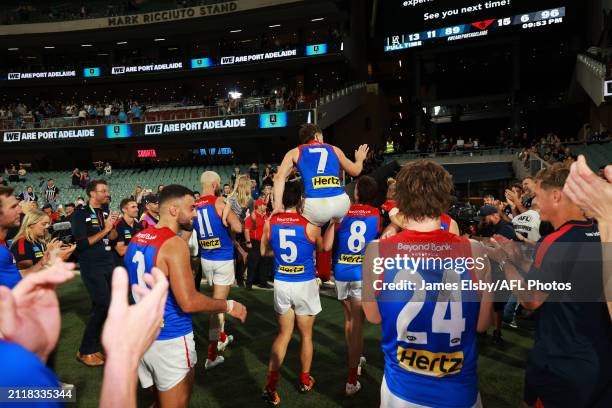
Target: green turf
(238, 382)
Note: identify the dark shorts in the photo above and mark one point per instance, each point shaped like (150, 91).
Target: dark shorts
(554, 391)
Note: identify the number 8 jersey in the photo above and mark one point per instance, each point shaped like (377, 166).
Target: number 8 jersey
(429, 329)
(360, 226)
(293, 248)
(140, 258)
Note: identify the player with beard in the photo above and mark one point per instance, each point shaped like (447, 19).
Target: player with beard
(168, 363)
(10, 212)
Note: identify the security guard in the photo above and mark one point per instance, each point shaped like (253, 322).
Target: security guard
(90, 227)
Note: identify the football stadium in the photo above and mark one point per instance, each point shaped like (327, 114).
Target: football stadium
(306, 203)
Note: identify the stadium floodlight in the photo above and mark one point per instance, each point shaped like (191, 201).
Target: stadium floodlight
(86, 45)
(49, 47)
(274, 25)
(13, 49)
(317, 19)
(235, 94)
(236, 31)
(121, 42)
(159, 39)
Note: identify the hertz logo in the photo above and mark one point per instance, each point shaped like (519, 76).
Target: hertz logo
(428, 363)
(212, 243)
(325, 182)
(350, 259)
(292, 270)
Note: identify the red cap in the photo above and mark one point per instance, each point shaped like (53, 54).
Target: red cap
(260, 201)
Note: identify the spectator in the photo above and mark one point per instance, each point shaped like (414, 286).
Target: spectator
(235, 174)
(76, 178)
(150, 215)
(33, 244)
(267, 176)
(136, 112)
(122, 116)
(28, 195)
(82, 116)
(3, 182)
(85, 180)
(254, 173)
(254, 190)
(108, 170)
(227, 190)
(70, 208)
(257, 270)
(53, 216)
(51, 194)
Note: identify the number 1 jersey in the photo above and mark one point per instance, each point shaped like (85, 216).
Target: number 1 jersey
(140, 258)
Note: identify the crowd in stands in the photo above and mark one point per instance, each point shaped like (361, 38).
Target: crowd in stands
(117, 110)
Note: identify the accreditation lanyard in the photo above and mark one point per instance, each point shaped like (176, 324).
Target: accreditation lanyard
(99, 217)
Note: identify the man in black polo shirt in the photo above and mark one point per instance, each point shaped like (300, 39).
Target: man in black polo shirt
(496, 225)
(90, 228)
(125, 228)
(569, 365)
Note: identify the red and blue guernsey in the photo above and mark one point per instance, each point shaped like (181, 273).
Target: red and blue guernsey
(445, 222)
(9, 274)
(360, 226)
(320, 169)
(293, 248)
(140, 258)
(214, 240)
(429, 331)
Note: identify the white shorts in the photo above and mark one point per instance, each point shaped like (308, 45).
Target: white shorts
(319, 211)
(167, 362)
(346, 290)
(218, 272)
(303, 297)
(389, 400)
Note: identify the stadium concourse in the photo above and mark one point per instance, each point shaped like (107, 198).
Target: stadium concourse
(321, 203)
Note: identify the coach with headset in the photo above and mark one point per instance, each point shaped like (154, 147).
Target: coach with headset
(91, 225)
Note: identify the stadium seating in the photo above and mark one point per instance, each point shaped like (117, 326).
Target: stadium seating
(123, 181)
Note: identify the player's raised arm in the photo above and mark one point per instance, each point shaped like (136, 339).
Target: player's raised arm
(353, 168)
(282, 173)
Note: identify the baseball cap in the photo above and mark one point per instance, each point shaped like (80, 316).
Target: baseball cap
(486, 210)
(260, 201)
(151, 198)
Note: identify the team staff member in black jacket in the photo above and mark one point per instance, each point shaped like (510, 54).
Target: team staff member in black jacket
(90, 227)
(125, 228)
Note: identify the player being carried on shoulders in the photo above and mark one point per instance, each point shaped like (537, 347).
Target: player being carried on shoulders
(319, 165)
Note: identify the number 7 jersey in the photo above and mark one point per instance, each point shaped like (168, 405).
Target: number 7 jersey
(320, 169)
(429, 325)
(140, 258)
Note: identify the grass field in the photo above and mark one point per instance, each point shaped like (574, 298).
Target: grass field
(239, 381)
